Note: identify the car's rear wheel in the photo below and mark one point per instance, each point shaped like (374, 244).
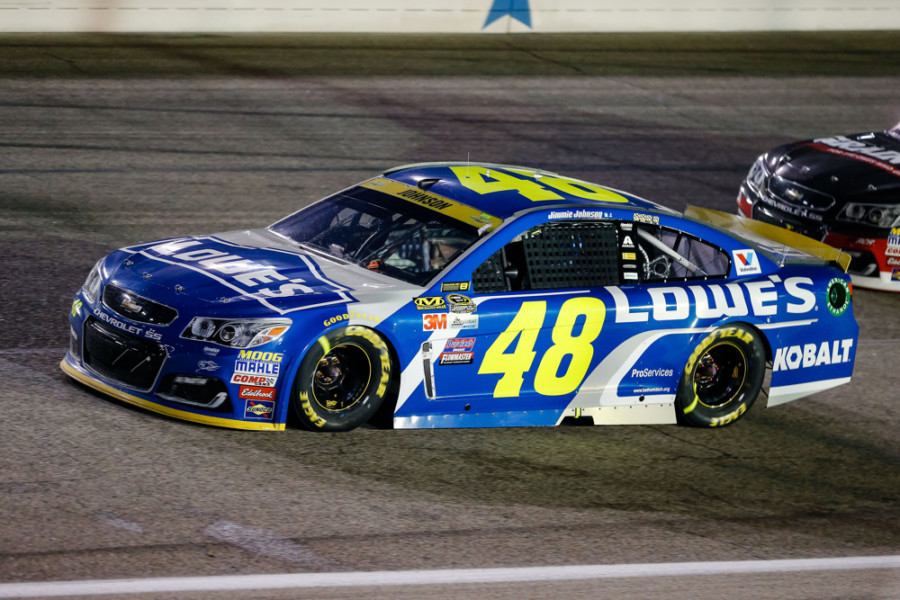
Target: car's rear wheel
(342, 380)
(722, 377)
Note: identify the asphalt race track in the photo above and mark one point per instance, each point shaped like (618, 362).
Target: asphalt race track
(106, 141)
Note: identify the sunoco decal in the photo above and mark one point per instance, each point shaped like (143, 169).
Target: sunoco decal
(259, 409)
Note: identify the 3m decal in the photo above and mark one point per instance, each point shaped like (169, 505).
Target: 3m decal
(259, 409)
(574, 351)
(430, 302)
(434, 321)
(746, 262)
(455, 286)
(533, 186)
(812, 355)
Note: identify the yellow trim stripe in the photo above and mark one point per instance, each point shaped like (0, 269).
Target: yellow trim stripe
(435, 202)
(750, 227)
(164, 410)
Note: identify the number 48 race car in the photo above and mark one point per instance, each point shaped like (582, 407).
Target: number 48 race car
(468, 295)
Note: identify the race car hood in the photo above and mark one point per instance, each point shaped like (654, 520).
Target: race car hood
(862, 167)
(237, 272)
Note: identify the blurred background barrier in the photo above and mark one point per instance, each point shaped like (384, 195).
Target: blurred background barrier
(445, 16)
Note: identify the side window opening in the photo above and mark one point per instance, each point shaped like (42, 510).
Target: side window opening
(553, 256)
(670, 255)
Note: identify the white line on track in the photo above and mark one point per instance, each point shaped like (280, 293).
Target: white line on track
(435, 577)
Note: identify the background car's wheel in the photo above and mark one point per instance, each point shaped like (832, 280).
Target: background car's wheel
(342, 380)
(722, 377)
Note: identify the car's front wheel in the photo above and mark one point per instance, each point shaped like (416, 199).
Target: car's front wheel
(722, 377)
(342, 380)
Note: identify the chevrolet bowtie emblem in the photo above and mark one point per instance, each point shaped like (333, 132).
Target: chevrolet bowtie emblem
(130, 305)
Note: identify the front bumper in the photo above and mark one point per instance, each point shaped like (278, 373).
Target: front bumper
(141, 366)
(79, 374)
(872, 265)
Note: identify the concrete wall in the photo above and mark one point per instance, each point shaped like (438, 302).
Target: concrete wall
(445, 16)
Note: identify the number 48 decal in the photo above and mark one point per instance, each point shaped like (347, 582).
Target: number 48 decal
(525, 326)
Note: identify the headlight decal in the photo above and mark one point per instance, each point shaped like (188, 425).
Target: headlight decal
(236, 333)
(874, 215)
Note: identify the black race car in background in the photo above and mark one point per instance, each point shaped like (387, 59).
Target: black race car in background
(842, 190)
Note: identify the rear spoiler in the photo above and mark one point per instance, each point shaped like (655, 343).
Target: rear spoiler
(776, 240)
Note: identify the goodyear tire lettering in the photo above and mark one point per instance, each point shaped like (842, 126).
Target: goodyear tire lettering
(722, 377)
(342, 380)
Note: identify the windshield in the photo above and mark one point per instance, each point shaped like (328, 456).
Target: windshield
(380, 232)
(894, 131)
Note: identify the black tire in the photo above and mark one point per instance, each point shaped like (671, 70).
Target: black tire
(342, 380)
(722, 377)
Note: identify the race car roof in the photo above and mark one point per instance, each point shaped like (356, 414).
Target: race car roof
(503, 190)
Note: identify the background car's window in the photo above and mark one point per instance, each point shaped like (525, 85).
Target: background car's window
(665, 254)
(380, 232)
(553, 256)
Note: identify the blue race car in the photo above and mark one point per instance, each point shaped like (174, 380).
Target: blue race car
(468, 295)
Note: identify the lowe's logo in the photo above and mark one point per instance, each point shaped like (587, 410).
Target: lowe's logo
(812, 355)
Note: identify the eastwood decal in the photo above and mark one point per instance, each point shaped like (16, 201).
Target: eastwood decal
(259, 409)
(714, 301)
(248, 392)
(812, 355)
